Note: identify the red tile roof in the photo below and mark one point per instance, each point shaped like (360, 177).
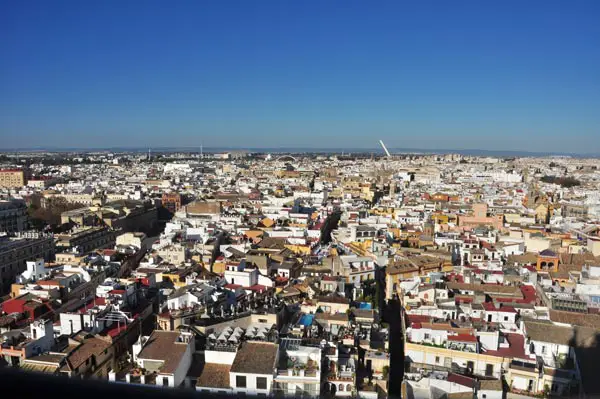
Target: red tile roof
(462, 338)
(257, 288)
(116, 329)
(417, 318)
(516, 347)
(91, 304)
(489, 306)
(461, 380)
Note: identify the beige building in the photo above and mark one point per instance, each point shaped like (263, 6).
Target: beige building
(86, 239)
(175, 254)
(593, 245)
(12, 178)
(133, 239)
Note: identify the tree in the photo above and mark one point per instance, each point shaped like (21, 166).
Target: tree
(386, 372)
(565, 181)
(51, 213)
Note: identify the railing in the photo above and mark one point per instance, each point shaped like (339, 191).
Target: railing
(297, 373)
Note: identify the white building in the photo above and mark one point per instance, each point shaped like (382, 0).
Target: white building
(168, 353)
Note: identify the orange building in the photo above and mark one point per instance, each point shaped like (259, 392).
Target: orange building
(547, 261)
(481, 218)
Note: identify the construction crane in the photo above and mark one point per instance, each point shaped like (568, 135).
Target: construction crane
(384, 149)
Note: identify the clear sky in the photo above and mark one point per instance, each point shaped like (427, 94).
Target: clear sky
(498, 74)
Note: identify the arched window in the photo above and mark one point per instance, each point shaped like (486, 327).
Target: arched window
(543, 264)
(341, 387)
(348, 388)
(550, 264)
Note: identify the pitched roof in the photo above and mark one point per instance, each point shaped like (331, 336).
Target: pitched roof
(546, 331)
(576, 319)
(486, 288)
(92, 346)
(490, 385)
(214, 375)
(163, 345)
(255, 358)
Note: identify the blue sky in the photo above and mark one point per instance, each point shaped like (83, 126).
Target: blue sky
(508, 75)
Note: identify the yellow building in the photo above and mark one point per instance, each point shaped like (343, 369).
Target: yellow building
(12, 178)
(299, 249)
(178, 279)
(409, 267)
(439, 218)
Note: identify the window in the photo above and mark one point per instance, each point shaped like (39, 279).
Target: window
(543, 349)
(427, 336)
(240, 381)
(489, 370)
(165, 381)
(261, 382)
(505, 318)
(437, 359)
(470, 365)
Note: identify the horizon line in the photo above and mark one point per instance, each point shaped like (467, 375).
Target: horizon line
(298, 149)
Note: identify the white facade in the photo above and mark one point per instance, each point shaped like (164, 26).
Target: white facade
(251, 385)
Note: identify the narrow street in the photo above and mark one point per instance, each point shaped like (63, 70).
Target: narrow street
(390, 312)
(392, 317)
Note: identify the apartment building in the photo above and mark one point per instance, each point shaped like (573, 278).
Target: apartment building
(15, 252)
(12, 178)
(13, 216)
(86, 239)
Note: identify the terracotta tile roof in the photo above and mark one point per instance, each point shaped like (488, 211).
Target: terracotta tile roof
(490, 385)
(92, 346)
(333, 299)
(255, 358)
(214, 376)
(163, 345)
(546, 331)
(576, 319)
(486, 288)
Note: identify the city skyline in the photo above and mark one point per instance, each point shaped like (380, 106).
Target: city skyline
(377, 151)
(513, 76)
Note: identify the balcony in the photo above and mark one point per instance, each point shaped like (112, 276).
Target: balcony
(297, 373)
(346, 375)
